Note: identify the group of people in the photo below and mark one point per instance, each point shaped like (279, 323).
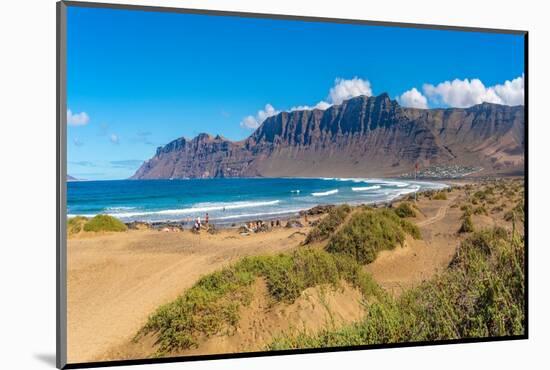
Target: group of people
(260, 225)
(198, 224)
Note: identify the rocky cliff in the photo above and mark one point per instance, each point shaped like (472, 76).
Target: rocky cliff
(364, 136)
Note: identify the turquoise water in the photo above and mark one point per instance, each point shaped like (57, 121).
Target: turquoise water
(227, 200)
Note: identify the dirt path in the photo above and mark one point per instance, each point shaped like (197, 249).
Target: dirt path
(418, 260)
(441, 212)
(114, 279)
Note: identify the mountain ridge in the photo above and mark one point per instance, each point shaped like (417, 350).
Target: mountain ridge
(363, 136)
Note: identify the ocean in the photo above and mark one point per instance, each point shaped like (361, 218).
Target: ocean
(227, 201)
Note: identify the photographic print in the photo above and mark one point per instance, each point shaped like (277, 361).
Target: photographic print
(241, 184)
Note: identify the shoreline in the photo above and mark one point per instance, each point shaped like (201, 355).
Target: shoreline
(283, 218)
(282, 215)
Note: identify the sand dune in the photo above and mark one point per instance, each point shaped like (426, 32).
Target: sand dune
(116, 280)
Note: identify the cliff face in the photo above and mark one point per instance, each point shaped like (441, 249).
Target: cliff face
(364, 136)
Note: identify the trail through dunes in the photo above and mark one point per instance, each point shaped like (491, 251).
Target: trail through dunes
(418, 260)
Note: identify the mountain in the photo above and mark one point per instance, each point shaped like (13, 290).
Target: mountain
(363, 136)
(71, 178)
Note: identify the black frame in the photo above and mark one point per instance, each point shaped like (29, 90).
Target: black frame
(61, 173)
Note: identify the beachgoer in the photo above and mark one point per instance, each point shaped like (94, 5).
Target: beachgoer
(206, 219)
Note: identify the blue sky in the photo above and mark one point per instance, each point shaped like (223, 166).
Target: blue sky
(137, 80)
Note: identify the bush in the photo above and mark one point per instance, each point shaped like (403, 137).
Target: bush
(467, 225)
(335, 217)
(440, 195)
(369, 232)
(212, 304)
(480, 295)
(405, 210)
(76, 224)
(480, 210)
(104, 223)
(516, 213)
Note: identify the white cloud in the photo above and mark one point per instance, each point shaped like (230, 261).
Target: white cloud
(114, 138)
(511, 92)
(342, 90)
(465, 93)
(77, 119)
(413, 99)
(322, 105)
(346, 89)
(253, 122)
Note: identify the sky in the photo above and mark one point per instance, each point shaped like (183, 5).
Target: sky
(137, 80)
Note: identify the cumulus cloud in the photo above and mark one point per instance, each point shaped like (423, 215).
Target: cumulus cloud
(346, 89)
(511, 92)
(322, 105)
(413, 99)
(77, 119)
(253, 122)
(465, 93)
(113, 138)
(342, 90)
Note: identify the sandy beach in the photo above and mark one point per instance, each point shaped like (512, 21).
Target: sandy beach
(116, 280)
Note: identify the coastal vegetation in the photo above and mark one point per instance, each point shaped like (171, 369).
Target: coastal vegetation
(212, 305)
(368, 232)
(327, 225)
(479, 292)
(405, 210)
(480, 295)
(467, 224)
(76, 225)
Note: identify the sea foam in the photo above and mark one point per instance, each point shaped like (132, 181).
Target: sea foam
(325, 193)
(366, 188)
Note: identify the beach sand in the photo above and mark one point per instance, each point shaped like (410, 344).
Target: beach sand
(116, 280)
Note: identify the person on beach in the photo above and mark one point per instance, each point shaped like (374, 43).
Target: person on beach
(206, 219)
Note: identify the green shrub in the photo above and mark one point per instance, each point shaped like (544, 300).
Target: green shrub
(480, 210)
(405, 210)
(104, 223)
(328, 224)
(467, 225)
(76, 224)
(411, 229)
(517, 213)
(212, 305)
(480, 295)
(369, 232)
